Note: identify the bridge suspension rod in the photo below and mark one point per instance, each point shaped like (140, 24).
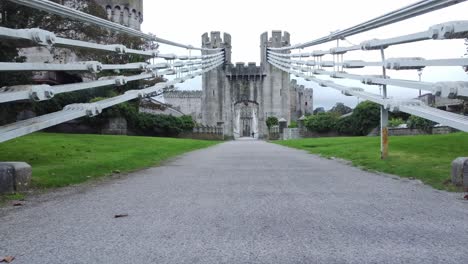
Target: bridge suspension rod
(414, 107)
(444, 89)
(411, 63)
(413, 10)
(46, 92)
(74, 111)
(71, 13)
(443, 31)
(40, 37)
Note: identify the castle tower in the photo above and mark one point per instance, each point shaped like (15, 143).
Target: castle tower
(215, 98)
(125, 12)
(276, 95)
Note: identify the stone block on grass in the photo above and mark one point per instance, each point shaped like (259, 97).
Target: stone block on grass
(460, 172)
(14, 177)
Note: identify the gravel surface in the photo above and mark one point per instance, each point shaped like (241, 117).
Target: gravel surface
(242, 202)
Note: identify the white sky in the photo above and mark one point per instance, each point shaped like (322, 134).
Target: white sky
(184, 21)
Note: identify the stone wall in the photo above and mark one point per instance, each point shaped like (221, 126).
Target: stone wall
(115, 126)
(291, 133)
(205, 132)
(187, 102)
(392, 131)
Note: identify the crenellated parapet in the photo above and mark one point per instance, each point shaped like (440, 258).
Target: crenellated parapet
(125, 12)
(240, 70)
(278, 39)
(215, 41)
(183, 94)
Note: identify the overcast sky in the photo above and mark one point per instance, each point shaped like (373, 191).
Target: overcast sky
(185, 21)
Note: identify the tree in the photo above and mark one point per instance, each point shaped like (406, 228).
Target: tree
(319, 110)
(365, 117)
(346, 126)
(321, 122)
(341, 109)
(272, 121)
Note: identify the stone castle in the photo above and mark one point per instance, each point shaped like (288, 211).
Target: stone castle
(241, 97)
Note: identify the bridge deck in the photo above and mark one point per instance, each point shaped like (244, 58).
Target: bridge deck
(242, 202)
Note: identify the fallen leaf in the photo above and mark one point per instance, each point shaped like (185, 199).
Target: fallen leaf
(120, 215)
(7, 259)
(18, 204)
(466, 197)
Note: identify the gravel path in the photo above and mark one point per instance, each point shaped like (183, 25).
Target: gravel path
(243, 202)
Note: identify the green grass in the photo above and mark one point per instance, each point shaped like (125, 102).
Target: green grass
(427, 158)
(62, 159)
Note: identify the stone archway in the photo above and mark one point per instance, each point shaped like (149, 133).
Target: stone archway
(246, 119)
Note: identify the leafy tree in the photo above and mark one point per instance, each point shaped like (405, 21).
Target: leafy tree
(272, 121)
(341, 109)
(319, 110)
(346, 126)
(321, 122)
(365, 117)
(416, 122)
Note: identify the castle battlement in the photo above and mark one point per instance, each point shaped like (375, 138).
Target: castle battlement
(242, 70)
(125, 12)
(215, 41)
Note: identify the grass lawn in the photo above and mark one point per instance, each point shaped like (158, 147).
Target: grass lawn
(62, 159)
(427, 158)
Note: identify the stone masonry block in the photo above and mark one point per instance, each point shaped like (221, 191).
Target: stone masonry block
(7, 182)
(460, 172)
(14, 176)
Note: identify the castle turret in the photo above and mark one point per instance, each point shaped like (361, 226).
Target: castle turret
(214, 82)
(276, 95)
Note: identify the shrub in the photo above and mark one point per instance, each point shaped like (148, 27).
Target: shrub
(366, 116)
(144, 123)
(271, 121)
(346, 126)
(416, 122)
(293, 124)
(322, 122)
(394, 122)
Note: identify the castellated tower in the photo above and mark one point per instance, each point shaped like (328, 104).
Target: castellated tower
(214, 105)
(276, 95)
(125, 12)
